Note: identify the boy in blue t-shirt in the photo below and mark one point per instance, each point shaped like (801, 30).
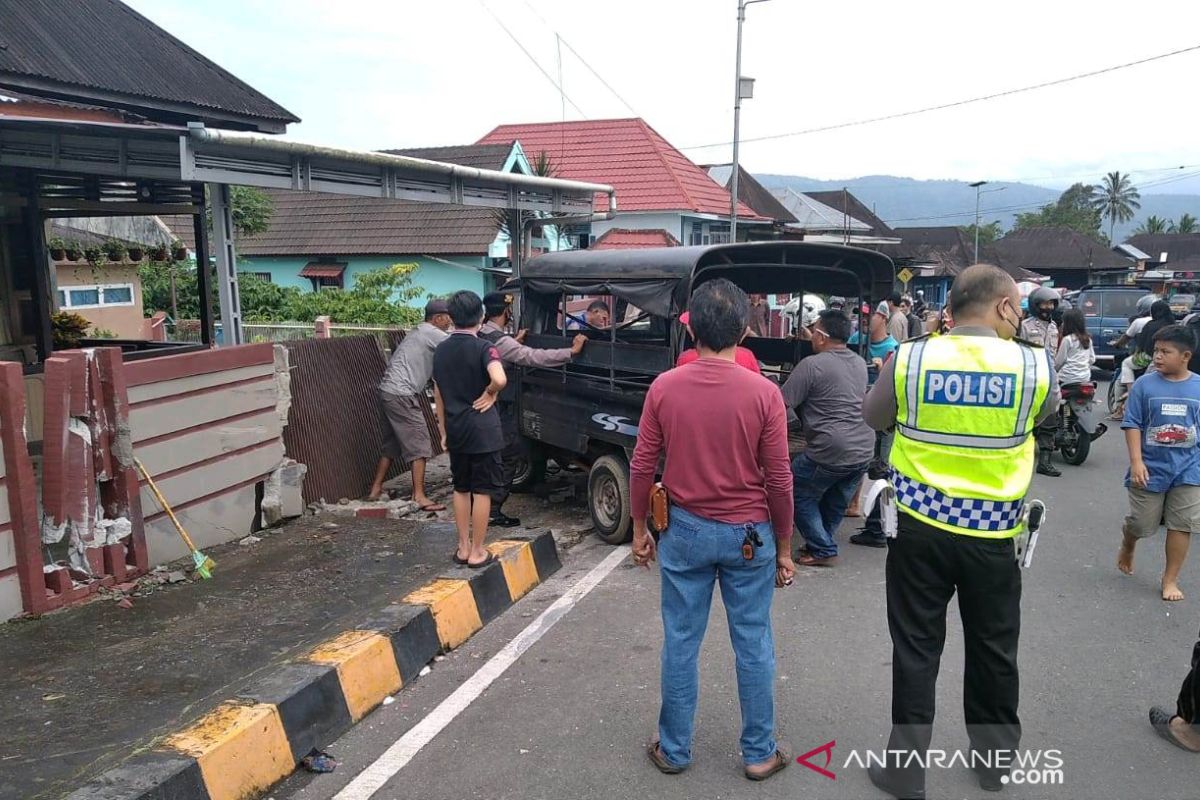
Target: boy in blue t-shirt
(1162, 418)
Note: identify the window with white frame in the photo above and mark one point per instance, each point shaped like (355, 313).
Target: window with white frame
(113, 294)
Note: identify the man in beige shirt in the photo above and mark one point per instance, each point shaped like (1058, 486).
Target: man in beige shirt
(897, 319)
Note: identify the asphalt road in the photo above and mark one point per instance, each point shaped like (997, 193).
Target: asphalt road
(569, 717)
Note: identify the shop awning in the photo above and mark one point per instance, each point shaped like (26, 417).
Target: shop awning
(317, 270)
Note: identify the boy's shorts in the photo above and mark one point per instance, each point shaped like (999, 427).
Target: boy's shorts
(476, 473)
(1178, 508)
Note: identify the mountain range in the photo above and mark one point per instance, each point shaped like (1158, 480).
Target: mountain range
(911, 203)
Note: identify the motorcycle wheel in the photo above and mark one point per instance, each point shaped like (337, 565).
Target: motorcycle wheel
(1077, 452)
(1114, 393)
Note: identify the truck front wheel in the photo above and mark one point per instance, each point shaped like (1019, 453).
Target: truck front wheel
(608, 499)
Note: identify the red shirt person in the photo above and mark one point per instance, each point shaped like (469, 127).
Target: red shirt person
(744, 356)
(723, 433)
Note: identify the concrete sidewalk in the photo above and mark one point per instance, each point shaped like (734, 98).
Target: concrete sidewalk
(87, 689)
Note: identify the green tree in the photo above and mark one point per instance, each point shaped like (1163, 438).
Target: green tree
(987, 233)
(1117, 200)
(1075, 209)
(379, 297)
(1153, 224)
(250, 209)
(263, 301)
(1187, 224)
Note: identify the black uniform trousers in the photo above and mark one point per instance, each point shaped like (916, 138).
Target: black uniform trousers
(511, 455)
(1188, 704)
(925, 567)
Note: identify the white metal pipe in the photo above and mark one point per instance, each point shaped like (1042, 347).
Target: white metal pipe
(269, 143)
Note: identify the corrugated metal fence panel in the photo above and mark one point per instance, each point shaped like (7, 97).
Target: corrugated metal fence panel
(335, 425)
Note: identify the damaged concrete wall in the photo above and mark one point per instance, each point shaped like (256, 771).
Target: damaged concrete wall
(209, 427)
(10, 586)
(21, 584)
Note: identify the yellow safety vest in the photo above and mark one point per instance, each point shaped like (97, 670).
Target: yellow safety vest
(963, 455)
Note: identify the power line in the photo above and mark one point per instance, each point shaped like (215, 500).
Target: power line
(582, 60)
(529, 55)
(955, 104)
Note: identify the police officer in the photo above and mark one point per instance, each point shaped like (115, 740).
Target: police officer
(498, 309)
(964, 406)
(1039, 328)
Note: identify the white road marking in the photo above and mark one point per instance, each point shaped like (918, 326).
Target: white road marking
(402, 751)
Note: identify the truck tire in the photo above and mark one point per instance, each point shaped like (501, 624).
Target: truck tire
(608, 499)
(531, 468)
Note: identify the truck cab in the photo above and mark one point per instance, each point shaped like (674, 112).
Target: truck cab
(587, 411)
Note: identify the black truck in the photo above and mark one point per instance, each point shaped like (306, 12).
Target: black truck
(587, 411)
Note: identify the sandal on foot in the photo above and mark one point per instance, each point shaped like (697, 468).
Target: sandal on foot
(778, 762)
(1160, 719)
(460, 561)
(660, 761)
(491, 559)
(430, 508)
(809, 560)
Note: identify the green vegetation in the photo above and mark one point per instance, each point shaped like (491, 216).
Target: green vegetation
(379, 297)
(1075, 208)
(1117, 200)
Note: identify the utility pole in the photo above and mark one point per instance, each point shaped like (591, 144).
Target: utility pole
(976, 185)
(739, 93)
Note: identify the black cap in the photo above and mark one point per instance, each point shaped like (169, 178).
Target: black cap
(436, 306)
(495, 302)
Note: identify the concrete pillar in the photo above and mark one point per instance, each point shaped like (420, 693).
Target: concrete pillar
(322, 328)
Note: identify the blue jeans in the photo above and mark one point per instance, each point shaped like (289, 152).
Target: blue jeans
(820, 495)
(694, 554)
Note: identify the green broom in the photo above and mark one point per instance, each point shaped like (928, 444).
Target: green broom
(203, 563)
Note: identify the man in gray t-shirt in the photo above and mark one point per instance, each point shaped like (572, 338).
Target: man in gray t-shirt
(826, 390)
(401, 397)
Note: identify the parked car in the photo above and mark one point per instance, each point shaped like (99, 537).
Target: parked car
(1107, 310)
(587, 411)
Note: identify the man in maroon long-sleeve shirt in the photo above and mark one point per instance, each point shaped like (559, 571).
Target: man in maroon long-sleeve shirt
(723, 430)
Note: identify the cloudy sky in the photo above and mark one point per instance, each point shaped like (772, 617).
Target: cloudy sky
(391, 73)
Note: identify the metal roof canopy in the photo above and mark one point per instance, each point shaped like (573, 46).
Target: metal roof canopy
(202, 155)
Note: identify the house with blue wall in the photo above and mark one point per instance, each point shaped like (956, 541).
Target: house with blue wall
(317, 241)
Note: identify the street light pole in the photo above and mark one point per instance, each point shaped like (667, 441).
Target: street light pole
(976, 185)
(737, 118)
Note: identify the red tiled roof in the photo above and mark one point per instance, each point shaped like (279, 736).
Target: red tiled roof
(316, 269)
(628, 239)
(648, 173)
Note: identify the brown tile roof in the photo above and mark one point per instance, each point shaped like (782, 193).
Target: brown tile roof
(629, 239)
(104, 51)
(481, 156)
(1051, 248)
(750, 192)
(182, 227)
(314, 224)
(948, 249)
(847, 203)
(1177, 246)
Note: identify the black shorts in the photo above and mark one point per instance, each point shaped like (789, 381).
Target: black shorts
(477, 473)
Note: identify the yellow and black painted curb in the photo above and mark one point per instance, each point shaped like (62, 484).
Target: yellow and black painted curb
(248, 743)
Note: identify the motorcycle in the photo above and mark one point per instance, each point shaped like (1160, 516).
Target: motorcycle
(1078, 422)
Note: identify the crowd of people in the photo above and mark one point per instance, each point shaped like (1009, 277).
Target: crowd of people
(957, 420)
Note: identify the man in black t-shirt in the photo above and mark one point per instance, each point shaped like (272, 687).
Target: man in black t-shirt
(467, 377)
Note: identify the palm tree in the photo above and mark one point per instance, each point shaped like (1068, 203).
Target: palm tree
(1187, 224)
(1153, 224)
(541, 166)
(1117, 201)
